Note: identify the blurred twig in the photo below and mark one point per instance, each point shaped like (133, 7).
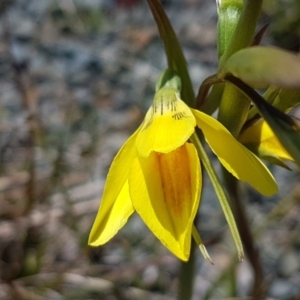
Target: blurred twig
(29, 98)
(279, 211)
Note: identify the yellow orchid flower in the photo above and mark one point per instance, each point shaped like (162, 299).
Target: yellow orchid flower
(157, 173)
(260, 139)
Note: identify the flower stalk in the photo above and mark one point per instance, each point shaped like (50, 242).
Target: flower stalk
(187, 276)
(234, 108)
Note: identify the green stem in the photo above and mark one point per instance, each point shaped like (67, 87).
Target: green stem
(187, 276)
(229, 12)
(233, 109)
(235, 106)
(241, 38)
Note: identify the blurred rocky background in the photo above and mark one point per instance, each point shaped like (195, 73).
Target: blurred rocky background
(76, 78)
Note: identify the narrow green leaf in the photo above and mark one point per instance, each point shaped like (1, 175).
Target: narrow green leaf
(284, 99)
(201, 245)
(261, 67)
(220, 192)
(270, 95)
(175, 57)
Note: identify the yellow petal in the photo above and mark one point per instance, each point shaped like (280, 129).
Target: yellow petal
(165, 191)
(261, 136)
(116, 206)
(168, 124)
(236, 158)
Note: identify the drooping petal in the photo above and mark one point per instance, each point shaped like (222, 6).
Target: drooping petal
(165, 190)
(168, 124)
(236, 158)
(261, 137)
(116, 206)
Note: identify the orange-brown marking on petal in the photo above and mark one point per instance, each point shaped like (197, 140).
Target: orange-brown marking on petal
(176, 181)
